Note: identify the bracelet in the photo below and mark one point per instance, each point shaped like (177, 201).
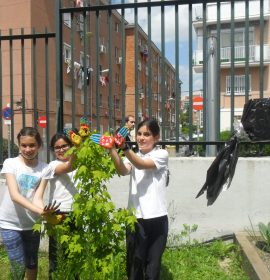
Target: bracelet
(126, 148)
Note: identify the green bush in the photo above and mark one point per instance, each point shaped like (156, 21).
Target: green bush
(93, 236)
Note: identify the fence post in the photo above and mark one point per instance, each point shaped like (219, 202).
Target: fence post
(211, 100)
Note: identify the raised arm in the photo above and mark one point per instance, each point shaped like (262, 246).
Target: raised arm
(138, 162)
(65, 166)
(122, 169)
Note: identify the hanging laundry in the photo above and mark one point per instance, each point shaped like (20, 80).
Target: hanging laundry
(89, 70)
(78, 3)
(145, 53)
(102, 80)
(167, 105)
(68, 65)
(81, 78)
(77, 67)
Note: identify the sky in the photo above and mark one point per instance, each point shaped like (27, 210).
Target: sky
(169, 18)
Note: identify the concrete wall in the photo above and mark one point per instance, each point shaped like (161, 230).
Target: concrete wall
(248, 197)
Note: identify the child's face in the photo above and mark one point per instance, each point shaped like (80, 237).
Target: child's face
(60, 148)
(28, 147)
(145, 139)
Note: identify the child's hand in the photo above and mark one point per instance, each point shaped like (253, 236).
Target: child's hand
(107, 141)
(51, 208)
(119, 140)
(53, 219)
(103, 140)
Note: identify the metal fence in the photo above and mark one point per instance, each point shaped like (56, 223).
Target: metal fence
(62, 76)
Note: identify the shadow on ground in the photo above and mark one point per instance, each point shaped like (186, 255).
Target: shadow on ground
(165, 273)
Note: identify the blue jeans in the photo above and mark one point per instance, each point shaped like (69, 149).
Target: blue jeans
(22, 249)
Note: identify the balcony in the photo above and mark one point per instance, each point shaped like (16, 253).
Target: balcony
(225, 12)
(239, 57)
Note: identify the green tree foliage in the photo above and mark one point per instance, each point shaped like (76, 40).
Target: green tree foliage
(92, 237)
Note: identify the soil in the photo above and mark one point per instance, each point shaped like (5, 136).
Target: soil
(263, 252)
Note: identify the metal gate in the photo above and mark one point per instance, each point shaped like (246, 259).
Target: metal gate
(103, 64)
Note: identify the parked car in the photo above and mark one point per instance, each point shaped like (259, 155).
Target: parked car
(184, 150)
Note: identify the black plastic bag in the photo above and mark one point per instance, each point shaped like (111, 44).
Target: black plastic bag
(256, 125)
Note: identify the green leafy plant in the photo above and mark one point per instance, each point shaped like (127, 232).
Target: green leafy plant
(265, 234)
(184, 237)
(92, 237)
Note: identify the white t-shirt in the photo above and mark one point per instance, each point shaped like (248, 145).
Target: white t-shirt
(12, 215)
(147, 192)
(62, 188)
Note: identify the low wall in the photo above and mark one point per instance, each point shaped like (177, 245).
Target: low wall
(247, 198)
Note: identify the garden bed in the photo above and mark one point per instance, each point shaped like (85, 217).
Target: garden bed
(256, 262)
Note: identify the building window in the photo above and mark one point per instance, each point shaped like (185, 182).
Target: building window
(116, 27)
(117, 104)
(117, 78)
(67, 19)
(82, 97)
(67, 52)
(239, 84)
(239, 44)
(68, 94)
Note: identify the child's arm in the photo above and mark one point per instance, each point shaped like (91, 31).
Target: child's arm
(65, 166)
(138, 162)
(38, 196)
(122, 169)
(17, 197)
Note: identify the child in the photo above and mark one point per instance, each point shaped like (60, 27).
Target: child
(22, 204)
(62, 188)
(148, 170)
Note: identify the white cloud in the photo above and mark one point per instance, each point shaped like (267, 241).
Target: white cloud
(169, 22)
(169, 33)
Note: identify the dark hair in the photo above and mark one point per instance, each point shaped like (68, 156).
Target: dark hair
(127, 118)
(151, 124)
(30, 131)
(57, 136)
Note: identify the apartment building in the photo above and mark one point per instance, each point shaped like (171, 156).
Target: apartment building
(146, 86)
(102, 73)
(94, 49)
(239, 52)
(26, 17)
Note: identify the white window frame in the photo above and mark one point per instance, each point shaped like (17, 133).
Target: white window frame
(239, 85)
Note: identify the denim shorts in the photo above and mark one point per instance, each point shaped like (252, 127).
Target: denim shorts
(22, 247)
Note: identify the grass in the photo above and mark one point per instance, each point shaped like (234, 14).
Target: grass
(219, 260)
(42, 269)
